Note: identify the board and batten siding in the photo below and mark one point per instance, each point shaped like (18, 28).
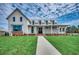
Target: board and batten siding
(17, 16)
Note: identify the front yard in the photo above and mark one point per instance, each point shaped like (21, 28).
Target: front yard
(18, 45)
(67, 45)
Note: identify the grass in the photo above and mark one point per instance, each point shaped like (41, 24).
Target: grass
(18, 45)
(67, 45)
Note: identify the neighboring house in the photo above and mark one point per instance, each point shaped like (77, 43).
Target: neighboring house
(2, 32)
(19, 24)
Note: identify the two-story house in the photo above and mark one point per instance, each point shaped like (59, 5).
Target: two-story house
(19, 24)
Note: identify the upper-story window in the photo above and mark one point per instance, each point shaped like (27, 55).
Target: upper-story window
(20, 19)
(39, 21)
(46, 22)
(33, 22)
(13, 19)
(53, 22)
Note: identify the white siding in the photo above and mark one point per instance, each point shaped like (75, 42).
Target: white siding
(17, 16)
(29, 30)
(48, 30)
(54, 30)
(61, 32)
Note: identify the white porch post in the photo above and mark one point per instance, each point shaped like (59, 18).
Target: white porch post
(51, 29)
(10, 33)
(58, 30)
(35, 30)
(10, 30)
(65, 29)
(43, 30)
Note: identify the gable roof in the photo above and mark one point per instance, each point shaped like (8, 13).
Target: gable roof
(20, 12)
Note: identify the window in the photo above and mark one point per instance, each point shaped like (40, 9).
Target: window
(20, 19)
(47, 27)
(17, 27)
(39, 21)
(32, 30)
(53, 22)
(63, 29)
(46, 22)
(13, 19)
(54, 27)
(33, 22)
(60, 29)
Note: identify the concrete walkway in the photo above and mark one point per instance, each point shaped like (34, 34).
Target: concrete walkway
(45, 48)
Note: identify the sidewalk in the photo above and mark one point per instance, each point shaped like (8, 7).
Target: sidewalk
(45, 48)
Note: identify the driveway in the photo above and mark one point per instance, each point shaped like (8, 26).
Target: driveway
(45, 48)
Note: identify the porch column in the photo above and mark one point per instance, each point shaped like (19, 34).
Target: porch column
(43, 30)
(58, 30)
(35, 30)
(65, 29)
(10, 32)
(51, 29)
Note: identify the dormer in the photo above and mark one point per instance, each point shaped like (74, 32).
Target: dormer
(53, 22)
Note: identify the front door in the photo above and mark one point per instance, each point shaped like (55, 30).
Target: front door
(40, 30)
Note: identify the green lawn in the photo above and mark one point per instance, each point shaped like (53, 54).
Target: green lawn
(67, 45)
(18, 45)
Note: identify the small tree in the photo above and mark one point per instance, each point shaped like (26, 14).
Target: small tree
(68, 30)
(78, 29)
(71, 29)
(78, 26)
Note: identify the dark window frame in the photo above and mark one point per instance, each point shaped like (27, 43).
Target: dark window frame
(63, 29)
(33, 22)
(46, 22)
(40, 22)
(47, 27)
(17, 27)
(53, 22)
(32, 30)
(21, 19)
(60, 30)
(13, 19)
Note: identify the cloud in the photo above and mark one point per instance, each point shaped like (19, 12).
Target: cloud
(73, 22)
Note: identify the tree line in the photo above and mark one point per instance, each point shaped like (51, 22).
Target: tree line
(73, 29)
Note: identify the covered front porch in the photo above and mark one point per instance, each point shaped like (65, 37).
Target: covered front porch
(47, 29)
